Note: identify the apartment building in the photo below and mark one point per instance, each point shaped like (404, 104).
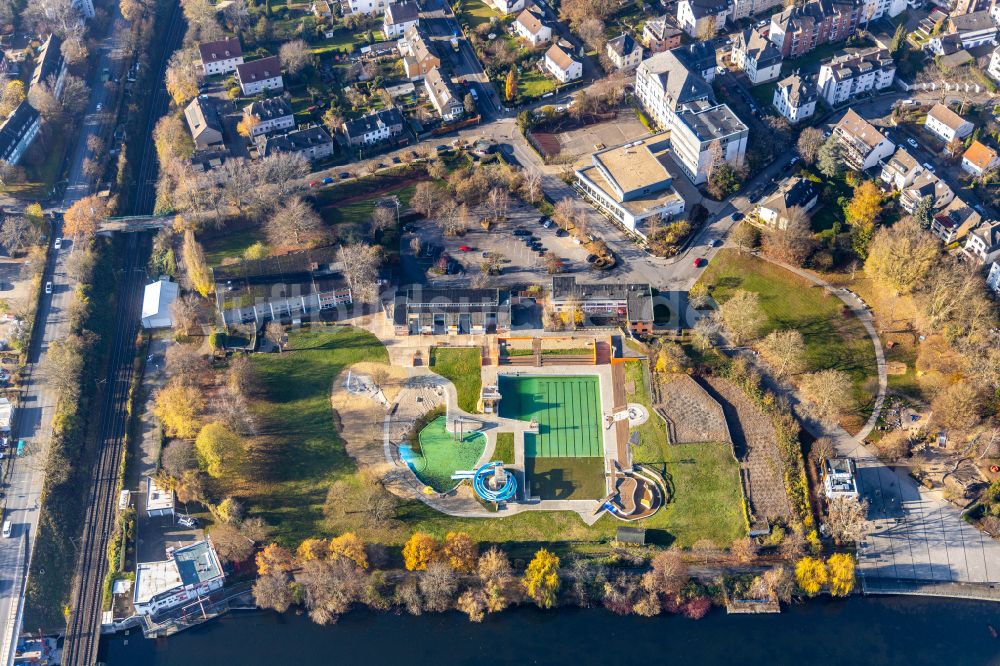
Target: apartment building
(624, 52)
(260, 75)
(660, 34)
(947, 125)
(702, 18)
(844, 77)
(221, 56)
(864, 147)
(795, 97)
(755, 55)
(800, 29)
(272, 115)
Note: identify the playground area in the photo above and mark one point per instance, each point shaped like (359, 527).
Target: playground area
(565, 458)
(441, 454)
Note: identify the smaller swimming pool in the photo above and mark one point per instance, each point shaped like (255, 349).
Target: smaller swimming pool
(441, 455)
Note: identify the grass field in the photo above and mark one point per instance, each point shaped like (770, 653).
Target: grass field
(300, 455)
(833, 339)
(229, 244)
(565, 478)
(707, 500)
(652, 433)
(351, 221)
(567, 409)
(476, 12)
(441, 455)
(462, 366)
(504, 450)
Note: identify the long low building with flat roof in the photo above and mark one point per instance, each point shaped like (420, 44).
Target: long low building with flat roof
(417, 311)
(631, 183)
(627, 304)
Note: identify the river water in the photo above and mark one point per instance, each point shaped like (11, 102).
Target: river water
(908, 631)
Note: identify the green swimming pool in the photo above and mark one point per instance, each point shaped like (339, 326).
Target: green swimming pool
(568, 411)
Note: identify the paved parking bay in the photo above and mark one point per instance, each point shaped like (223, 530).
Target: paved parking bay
(918, 536)
(521, 266)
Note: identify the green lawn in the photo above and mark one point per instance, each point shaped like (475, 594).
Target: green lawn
(351, 221)
(476, 12)
(565, 478)
(652, 433)
(833, 339)
(707, 499)
(441, 455)
(532, 83)
(300, 454)
(229, 244)
(504, 450)
(829, 212)
(462, 366)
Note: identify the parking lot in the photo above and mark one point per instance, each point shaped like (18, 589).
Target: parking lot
(520, 264)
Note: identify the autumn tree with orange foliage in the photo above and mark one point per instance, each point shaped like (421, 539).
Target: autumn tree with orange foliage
(274, 558)
(461, 552)
(81, 219)
(420, 550)
(312, 549)
(350, 546)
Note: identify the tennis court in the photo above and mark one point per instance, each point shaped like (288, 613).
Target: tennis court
(567, 409)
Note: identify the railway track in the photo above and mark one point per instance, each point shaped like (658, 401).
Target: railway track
(83, 626)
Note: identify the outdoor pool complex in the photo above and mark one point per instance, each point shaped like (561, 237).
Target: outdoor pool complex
(567, 409)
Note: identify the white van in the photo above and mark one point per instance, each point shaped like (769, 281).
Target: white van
(8, 527)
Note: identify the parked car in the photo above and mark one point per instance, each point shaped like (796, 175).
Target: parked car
(737, 216)
(48, 287)
(928, 166)
(699, 262)
(912, 142)
(58, 244)
(313, 183)
(344, 174)
(187, 521)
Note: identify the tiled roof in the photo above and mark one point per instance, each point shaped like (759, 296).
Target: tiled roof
(222, 49)
(979, 155)
(259, 70)
(946, 116)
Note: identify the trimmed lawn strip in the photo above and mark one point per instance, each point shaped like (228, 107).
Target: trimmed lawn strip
(565, 478)
(229, 244)
(833, 339)
(653, 433)
(504, 450)
(462, 366)
(533, 84)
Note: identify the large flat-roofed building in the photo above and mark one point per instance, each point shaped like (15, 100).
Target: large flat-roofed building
(627, 304)
(697, 133)
(420, 311)
(288, 286)
(188, 573)
(631, 183)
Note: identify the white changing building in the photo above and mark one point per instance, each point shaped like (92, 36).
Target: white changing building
(156, 304)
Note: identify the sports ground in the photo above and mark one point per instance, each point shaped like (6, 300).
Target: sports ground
(567, 410)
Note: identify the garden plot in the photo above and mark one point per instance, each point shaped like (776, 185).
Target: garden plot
(694, 415)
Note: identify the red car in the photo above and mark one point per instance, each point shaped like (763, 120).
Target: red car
(313, 183)
(465, 248)
(699, 262)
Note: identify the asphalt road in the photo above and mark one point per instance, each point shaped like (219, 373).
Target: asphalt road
(33, 421)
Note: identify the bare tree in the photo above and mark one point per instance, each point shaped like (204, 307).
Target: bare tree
(532, 187)
(295, 221)
(185, 313)
(17, 234)
(785, 351)
(361, 263)
(497, 203)
(829, 393)
(273, 591)
(231, 545)
(331, 587)
(383, 217)
(294, 56)
(275, 334)
(743, 315)
(847, 519)
(438, 584)
(427, 198)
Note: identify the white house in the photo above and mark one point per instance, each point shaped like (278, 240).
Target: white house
(382, 125)
(398, 18)
(979, 159)
(947, 125)
(844, 77)
(776, 210)
(630, 183)
(755, 55)
(159, 501)
(507, 6)
(702, 18)
(188, 573)
(840, 478)
(257, 76)
(983, 245)
(221, 56)
(443, 96)
(864, 147)
(993, 277)
(993, 69)
(795, 97)
(368, 6)
(900, 170)
(532, 27)
(18, 131)
(562, 63)
(157, 299)
(273, 114)
(624, 52)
